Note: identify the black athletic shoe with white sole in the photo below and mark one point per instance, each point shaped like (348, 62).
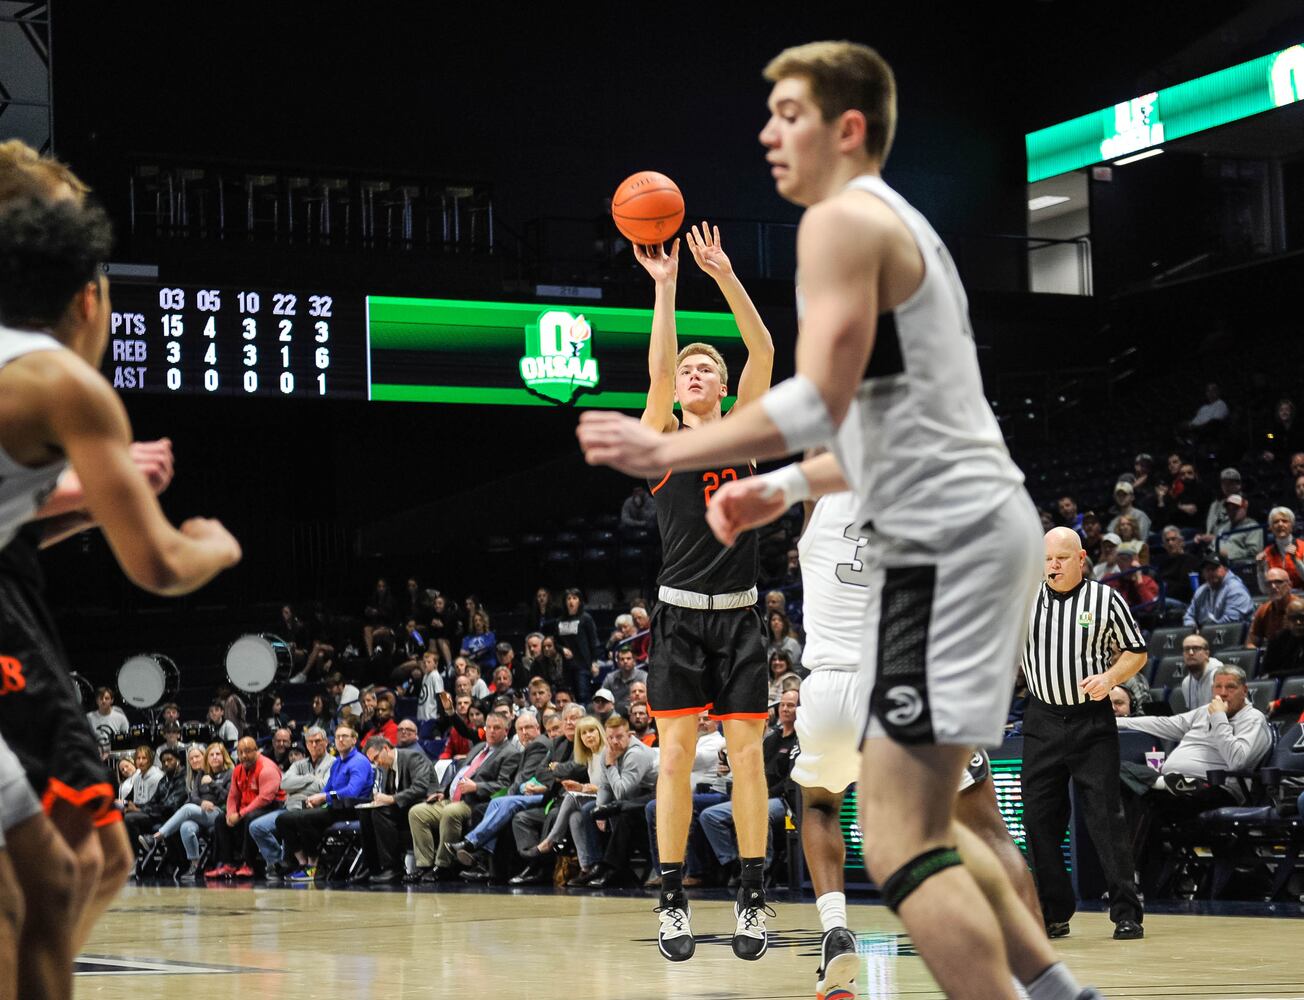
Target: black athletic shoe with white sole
(675, 936)
(839, 963)
(750, 940)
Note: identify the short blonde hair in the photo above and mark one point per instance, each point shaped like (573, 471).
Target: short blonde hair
(717, 359)
(26, 173)
(845, 76)
(588, 724)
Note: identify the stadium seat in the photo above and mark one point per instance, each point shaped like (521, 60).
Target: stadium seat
(1292, 687)
(1246, 659)
(341, 851)
(1265, 836)
(1227, 636)
(1261, 693)
(1165, 641)
(1158, 695)
(1177, 701)
(1168, 671)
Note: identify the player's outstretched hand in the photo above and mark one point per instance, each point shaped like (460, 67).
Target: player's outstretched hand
(661, 265)
(620, 442)
(742, 504)
(211, 534)
(708, 251)
(154, 460)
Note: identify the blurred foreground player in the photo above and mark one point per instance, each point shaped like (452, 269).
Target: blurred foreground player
(835, 582)
(707, 647)
(55, 408)
(952, 556)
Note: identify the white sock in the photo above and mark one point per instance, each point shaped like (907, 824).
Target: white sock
(1019, 991)
(833, 910)
(1056, 983)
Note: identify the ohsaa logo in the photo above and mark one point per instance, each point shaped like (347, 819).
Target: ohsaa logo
(559, 363)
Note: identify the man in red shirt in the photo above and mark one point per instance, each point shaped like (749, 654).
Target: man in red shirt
(255, 790)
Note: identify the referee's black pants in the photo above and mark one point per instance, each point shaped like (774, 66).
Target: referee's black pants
(1078, 743)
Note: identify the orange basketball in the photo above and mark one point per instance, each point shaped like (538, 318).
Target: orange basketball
(647, 208)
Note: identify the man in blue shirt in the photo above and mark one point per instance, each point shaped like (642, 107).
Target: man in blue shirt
(1221, 599)
(351, 781)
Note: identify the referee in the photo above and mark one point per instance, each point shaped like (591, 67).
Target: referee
(1081, 642)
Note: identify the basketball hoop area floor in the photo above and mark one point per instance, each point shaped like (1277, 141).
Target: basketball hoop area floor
(302, 942)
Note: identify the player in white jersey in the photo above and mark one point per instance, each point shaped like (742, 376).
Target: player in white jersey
(953, 557)
(835, 584)
(55, 407)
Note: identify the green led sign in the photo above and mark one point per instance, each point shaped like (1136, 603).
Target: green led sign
(1271, 81)
(521, 353)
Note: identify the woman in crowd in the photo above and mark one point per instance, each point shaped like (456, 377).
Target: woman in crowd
(322, 712)
(780, 670)
(1129, 530)
(479, 642)
(443, 629)
(577, 637)
(275, 718)
(207, 802)
(543, 615)
(781, 636)
(590, 745)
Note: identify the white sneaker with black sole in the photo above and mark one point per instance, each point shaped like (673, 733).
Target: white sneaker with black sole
(675, 936)
(839, 963)
(750, 940)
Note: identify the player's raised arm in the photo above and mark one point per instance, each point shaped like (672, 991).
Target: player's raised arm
(840, 285)
(709, 253)
(90, 425)
(663, 344)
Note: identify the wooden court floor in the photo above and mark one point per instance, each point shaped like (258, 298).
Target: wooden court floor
(166, 941)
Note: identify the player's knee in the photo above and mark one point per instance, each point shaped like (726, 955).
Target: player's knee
(674, 763)
(50, 904)
(119, 859)
(898, 885)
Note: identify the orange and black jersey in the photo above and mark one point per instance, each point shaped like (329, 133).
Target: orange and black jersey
(692, 559)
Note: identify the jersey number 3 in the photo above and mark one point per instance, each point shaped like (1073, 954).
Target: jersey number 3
(711, 482)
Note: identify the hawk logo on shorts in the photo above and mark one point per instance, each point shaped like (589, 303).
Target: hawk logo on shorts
(1085, 619)
(909, 705)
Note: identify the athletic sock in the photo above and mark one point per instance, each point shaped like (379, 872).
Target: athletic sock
(1019, 991)
(833, 910)
(753, 880)
(1055, 983)
(672, 883)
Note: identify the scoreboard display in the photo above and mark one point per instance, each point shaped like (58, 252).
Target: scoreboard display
(236, 341)
(316, 343)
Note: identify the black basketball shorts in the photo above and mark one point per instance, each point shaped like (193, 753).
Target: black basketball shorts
(41, 715)
(711, 661)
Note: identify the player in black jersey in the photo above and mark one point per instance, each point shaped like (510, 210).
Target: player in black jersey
(55, 407)
(708, 648)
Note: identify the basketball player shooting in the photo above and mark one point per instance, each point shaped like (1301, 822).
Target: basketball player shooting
(707, 649)
(952, 552)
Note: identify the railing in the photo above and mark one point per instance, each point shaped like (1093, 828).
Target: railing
(289, 203)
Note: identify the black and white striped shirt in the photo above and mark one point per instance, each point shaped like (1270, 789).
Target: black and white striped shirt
(1072, 636)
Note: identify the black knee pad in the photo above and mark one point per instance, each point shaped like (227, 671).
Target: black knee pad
(915, 872)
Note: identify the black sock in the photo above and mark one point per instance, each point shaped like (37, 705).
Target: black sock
(753, 879)
(672, 883)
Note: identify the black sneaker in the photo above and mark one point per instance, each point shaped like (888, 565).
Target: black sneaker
(1057, 928)
(750, 940)
(675, 936)
(839, 963)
